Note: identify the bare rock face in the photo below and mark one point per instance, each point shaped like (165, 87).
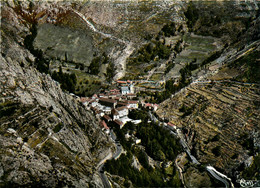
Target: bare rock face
(47, 138)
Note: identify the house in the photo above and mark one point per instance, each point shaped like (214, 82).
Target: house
(121, 82)
(93, 102)
(120, 123)
(103, 95)
(171, 125)
(118, 98)
(108, 102)
(124, 98)
(155, 107)
(137, 141)
(151, 106)
(94, 96)
(119, 112)
(120, 104)
(131, 88)
(107, 118)
(107, 110)
(115, 114)
(125, 119)
(131, 95)
(99, 113)
(85, 101)
(104, 126)
(125, 90)
(116, 91)
(136, 121)
(132, 104)
(122, 111)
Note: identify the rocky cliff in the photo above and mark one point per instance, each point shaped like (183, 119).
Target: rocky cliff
(47, 138)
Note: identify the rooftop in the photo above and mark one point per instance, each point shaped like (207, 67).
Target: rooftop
(114, 112)
(103, 123)
(120, 123)
(107, 117)
(121, 108)
(107, 100)
(132, 102)
(124, 88)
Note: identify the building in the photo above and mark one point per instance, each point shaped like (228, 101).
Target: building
(108, 102)
(115, 114)
(119, 112)
(104, 126)
(171, 125)
(132, 104)
(136, 121)
(151, 106)
(131, 88)
(107, 118)
(107, 110)
(137, 141)
(120, 123)
(125, 90)
(121, 82)
(93, 102)
(120, 104)
(131, 95)
(123, 111)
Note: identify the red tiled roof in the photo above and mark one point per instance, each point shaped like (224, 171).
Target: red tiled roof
(103, 123)
(148, 104)
(121, 108)
(92, 100)
(113, 94)
(151, 105)
(131, 94)
(170, 124)
(114, 112)
(122, 103)
(93, 108)
(114, 90)
(107, 117)
(107, 100)
(132, 102)
(118, 122)
(83, 99)
(121, 82)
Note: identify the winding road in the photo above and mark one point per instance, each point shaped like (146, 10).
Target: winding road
(92, 27)
(116, 155)
(177, 132)
(219, 176)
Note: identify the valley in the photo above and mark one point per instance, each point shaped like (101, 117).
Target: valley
(129, 93)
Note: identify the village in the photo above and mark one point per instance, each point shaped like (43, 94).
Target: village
(115, 104)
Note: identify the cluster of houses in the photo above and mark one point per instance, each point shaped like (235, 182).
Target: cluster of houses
(114, 105)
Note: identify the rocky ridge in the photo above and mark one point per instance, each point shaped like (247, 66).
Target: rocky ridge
(47, 137)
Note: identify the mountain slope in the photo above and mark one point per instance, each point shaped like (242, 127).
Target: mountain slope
(47, 138)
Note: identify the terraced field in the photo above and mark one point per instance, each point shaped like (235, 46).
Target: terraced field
(224, 117)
